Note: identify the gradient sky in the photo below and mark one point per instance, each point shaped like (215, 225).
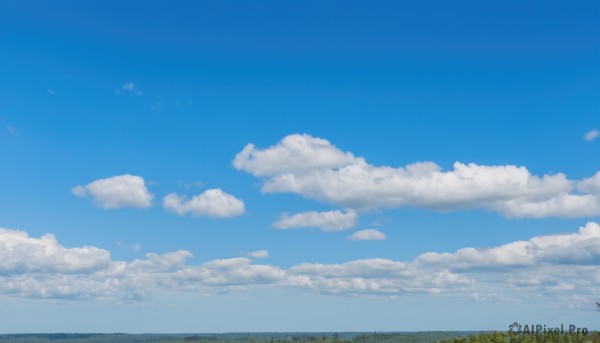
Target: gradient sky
(386, 137)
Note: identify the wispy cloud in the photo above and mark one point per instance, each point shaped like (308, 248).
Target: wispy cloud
(188, 185)
(157, 105)
(135, 246)
(10, 130)
(591, 135)
(50, 91)
(128, 87)
(258, 254)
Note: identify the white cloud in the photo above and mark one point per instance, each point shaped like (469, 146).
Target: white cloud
(50, 91)
(212, 203)
(555, 266)
(258, 254)
(20, 253)
(42, 268)
(581, 248)
(10, 130)
(117, 192)
(591, 135)
(326, 221)
(374, 276)
(501, 297)
(590, 185)
(295, 153)
(367, 235)
(561, 287)
(315, 169)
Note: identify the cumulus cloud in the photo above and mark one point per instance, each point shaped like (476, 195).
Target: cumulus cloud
(367, 235)
(20, 253)
(258, 254)
(42, 268)
(117, 192)
(326, 221)
(562, 264)
(316, 169)
(556, 266)
(590, 185)
(212, 203)
(375, 276)
(580, 248)
(295, 153)
(591, 135)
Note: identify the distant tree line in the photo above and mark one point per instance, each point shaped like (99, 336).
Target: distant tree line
(417, 337)
(500, 337)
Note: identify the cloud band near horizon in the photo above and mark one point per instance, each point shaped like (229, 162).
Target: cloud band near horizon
(557, 266)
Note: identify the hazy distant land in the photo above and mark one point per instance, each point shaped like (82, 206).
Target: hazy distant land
(309, 337)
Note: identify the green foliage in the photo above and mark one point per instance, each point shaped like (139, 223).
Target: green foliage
(500, 337)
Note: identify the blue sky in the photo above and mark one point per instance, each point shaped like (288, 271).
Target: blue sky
(386, 137)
